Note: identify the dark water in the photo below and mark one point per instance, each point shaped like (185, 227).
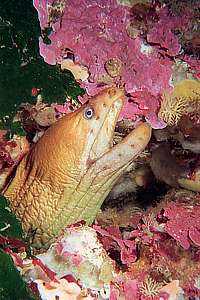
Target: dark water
(21, 66)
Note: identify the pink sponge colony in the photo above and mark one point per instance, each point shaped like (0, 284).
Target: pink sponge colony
(96, 32)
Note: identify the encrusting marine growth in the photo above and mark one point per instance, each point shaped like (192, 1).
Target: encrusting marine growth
(184, 98)
(66, 176)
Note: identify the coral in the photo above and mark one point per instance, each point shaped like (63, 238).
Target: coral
(60, 289)
(164, 35)
(105, 27)
(188, 89)
(53, 272)
(112, 239)
(143, 103)
(183, 98)
(172, 108)
(77, 254)
(79, 251)
(183, 223)
(150, 287)
(124, 288)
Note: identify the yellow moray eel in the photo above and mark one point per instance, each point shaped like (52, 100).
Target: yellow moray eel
(66, 176)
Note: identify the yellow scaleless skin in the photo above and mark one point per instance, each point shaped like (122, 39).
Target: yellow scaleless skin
(67, 175)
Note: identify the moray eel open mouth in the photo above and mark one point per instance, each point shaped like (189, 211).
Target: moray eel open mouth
(67, 175)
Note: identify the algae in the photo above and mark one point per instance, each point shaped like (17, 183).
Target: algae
(21, 66)
(12, 287)
(10, 226)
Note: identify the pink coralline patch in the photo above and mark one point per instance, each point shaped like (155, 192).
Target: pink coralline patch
(146, 70)
(130, 109)
(167, 249)
(88, 28)
(66, 108)
(143, 103)
(75, 257)
(153, 119)
(163, 32)
(147, 234)
(114, 294)
(124, 288)
(183, 224)
(92, 88)
(47, 53)
(91, 30)
(146, 101)
(96, 32)
(112, 239)
(41, 7)
(131, 289)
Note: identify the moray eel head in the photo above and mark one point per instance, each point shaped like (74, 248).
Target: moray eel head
(69, 172)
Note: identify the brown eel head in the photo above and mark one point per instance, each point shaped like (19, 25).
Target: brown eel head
(69, 172)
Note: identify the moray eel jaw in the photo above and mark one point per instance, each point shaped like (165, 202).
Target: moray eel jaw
(67, 175)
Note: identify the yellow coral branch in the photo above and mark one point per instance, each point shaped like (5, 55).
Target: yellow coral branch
(184, 98)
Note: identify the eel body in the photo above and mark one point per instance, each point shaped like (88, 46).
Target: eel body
(66, 176)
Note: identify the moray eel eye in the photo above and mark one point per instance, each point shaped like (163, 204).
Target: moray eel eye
(89, 112)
